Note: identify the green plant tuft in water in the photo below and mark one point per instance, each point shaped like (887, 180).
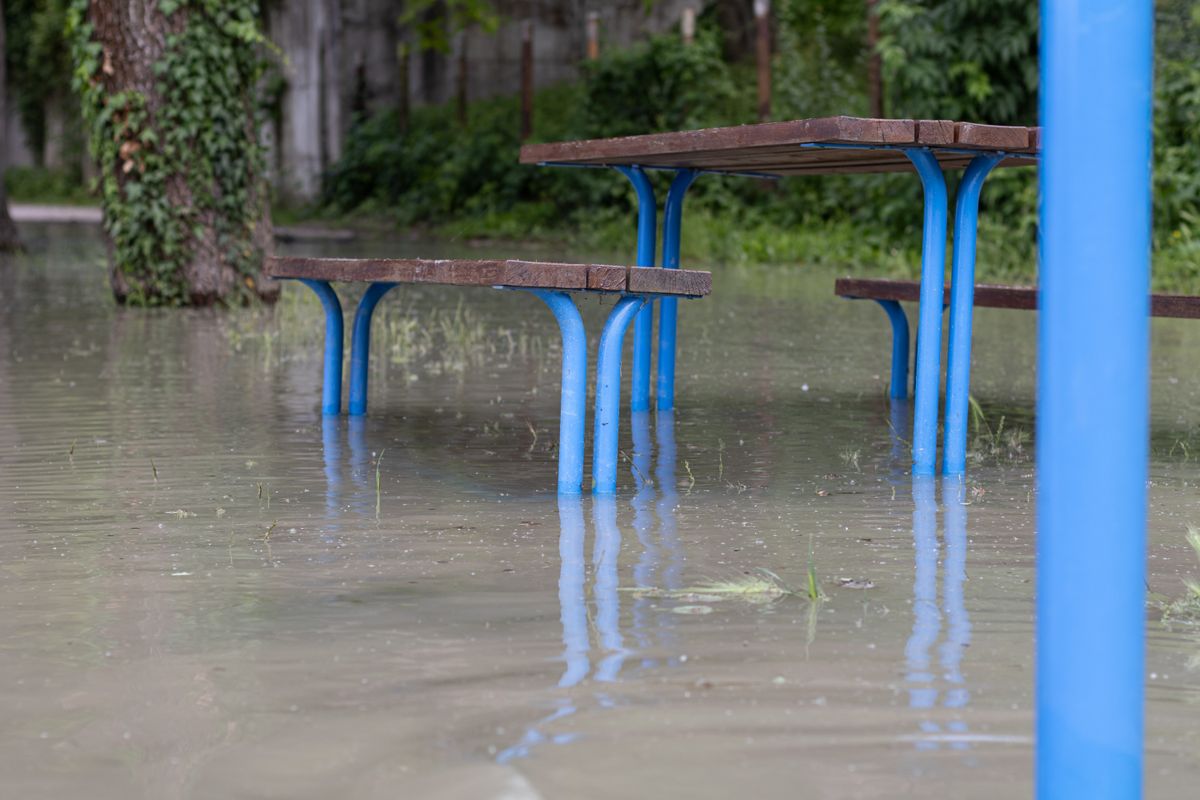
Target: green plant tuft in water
(814, 587)
(1186, 608)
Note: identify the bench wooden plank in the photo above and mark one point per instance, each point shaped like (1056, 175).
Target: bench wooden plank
(482, 272)
(607, 279)
(670, 281)
(1179, 306)
(777, 148)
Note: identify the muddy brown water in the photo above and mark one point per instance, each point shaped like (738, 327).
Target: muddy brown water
(211, 592)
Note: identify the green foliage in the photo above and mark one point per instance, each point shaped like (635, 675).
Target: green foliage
(435, 21)
(1177, 124)
(204, 132)
(435, 170)
(659, 85)
(820, 68)
(43, 185)
(961, 59)
(39, 66)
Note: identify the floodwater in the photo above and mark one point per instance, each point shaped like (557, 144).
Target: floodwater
(211, 592)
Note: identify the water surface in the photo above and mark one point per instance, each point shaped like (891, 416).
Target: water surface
(212, 592)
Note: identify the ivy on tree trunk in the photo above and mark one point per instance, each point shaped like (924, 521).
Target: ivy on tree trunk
(168, 90)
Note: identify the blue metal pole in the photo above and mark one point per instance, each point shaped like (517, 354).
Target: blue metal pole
(1093, 396)
(899, 386)
(573, 403)
(608, 395)
(360, 346)
(668, 307)
(639, 391)
(929, 325)
(962, 306)
(331, 388)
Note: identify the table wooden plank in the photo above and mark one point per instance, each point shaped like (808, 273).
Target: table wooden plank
(646, 280)
(779, 148)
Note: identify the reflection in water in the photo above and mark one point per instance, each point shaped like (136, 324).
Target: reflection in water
(571, 597)
(606, 594)
(924, 686)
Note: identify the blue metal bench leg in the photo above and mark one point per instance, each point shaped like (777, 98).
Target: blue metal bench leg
(929, 339)
(360, 346)
(573, 405)
(643, 329)
(899, 386)
(331, 390)
(962, 301)
(608, 395)
(669, 306)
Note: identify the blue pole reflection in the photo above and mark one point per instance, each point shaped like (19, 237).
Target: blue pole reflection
(958, 622)
(646, 569)
(571, 598)
(606, 550)
(949, 684)
(572, 581)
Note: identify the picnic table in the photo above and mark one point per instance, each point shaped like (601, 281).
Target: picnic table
(826, 145)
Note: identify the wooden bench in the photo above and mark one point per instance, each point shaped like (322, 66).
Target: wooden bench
(632, 287)
(890, 293)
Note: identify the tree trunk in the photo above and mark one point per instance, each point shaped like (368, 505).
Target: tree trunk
(184, 195)
(9, 240)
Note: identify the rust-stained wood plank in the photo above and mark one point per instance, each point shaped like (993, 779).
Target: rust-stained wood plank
(991, 137)
(479, 272)
(539, 275)
(649, 280)
(607, 279)
(993, 296)
(781, 148)
(935, 132)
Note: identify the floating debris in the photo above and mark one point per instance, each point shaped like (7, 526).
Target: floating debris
(696, 610)
(766, 587)
(856, 583)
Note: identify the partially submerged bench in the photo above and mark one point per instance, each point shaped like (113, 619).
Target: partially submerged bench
(633, 287)
(890, 293)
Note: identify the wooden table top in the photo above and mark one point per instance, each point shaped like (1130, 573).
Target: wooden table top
(822, 145)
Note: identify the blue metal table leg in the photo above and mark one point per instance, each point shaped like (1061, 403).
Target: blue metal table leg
(360, 346)
(331, 389)
(929, 325)
(962, 302)
(668, 307)
(639, 392)
(573, 403)
(1093, 397)
(899, 385)
(608, 395)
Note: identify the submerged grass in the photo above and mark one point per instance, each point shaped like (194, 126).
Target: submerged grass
(1002, 443)
(1187, 607)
